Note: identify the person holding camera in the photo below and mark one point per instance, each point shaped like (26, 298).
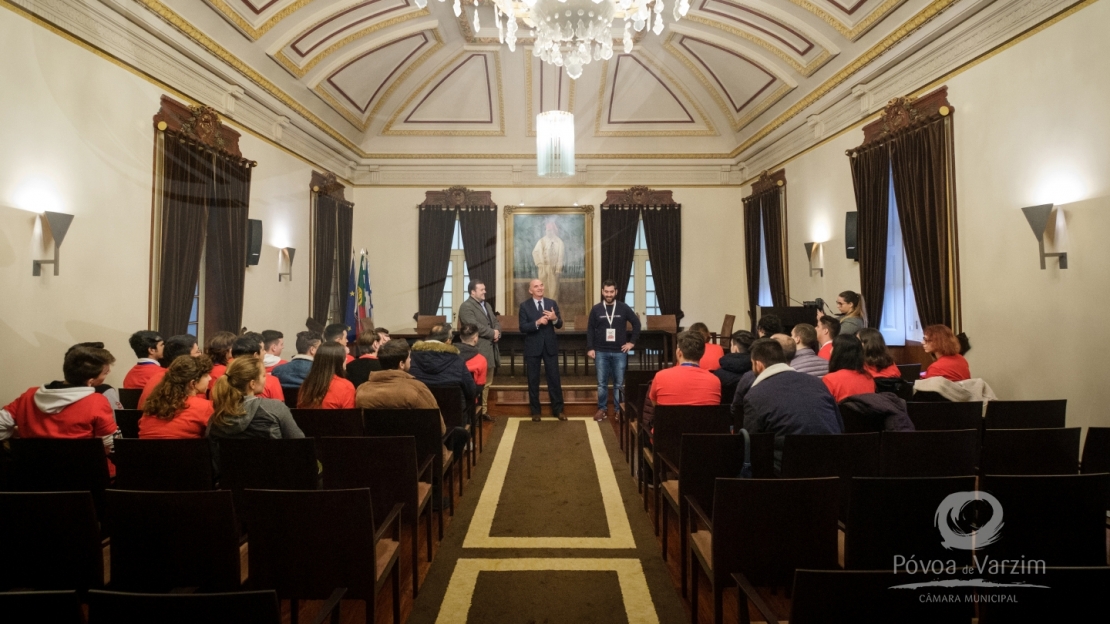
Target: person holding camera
(853, 316)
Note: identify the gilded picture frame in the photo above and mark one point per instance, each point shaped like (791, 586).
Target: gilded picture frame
(555, 244)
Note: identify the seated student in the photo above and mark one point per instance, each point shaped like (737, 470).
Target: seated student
(176, 408)
(828, 328)
(383, 335)
(941, 343)
(435, 362)
(847, 376)
(66, 409)
(337, 332)
(293, 374)
(784, 401)
(177, 346)
(685, 383)
(806, 359)
(250, 345)
(737, 362)
(273, 343)
(475, 362)
(238, 410)
(359, 370)
(218, 349)
(711, 358)
(148, 346)
(876, 358)
(326, 386)
(769, 325)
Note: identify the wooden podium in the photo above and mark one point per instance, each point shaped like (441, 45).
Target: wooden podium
(791, 315)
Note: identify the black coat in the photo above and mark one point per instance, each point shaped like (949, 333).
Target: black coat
(439, 364)
(733, 367)
(539, 339)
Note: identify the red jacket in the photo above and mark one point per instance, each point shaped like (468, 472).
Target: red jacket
(140, 373)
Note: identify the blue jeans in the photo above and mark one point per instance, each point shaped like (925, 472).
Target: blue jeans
(610, 364)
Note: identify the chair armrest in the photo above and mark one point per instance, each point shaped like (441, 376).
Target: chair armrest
(425, 468)
(331, 604)
(392, 518)
(697, 514)
(667, 463)
(750, 592)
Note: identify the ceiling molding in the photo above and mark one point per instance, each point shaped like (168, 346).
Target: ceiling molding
(849, 31)
(251, 32)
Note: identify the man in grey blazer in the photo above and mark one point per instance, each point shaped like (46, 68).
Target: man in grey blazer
(476, 311)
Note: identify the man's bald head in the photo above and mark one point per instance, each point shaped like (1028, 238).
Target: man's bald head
(535, 288)
(788, 346)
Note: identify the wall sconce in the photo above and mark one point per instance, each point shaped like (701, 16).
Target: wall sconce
(1037, 216)
(59, 225)
(816, 256)
(287, 259)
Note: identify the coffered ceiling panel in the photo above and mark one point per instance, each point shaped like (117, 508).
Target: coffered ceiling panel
(463, 98)
(640, 99)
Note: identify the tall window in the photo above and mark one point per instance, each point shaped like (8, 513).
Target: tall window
(900, 320)
(458, 275)
(765, 300)
(194, 314)
(640, 294)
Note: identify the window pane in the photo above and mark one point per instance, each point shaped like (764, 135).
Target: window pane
(641, 239)
(193, 311)
(456, 238)
(647, 268)
(895, 304)
(764, 275)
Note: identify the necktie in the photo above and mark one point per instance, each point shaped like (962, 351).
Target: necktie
(539, 305)
(485, 311)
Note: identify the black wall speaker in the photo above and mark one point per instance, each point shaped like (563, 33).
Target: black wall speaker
(254, 241)
(850, 231)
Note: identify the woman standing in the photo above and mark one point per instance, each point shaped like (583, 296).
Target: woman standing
(941, 343)
(176, 408)
(852, 317)
(847, 376)
(326, 386)
(877, 361)
(239, 413)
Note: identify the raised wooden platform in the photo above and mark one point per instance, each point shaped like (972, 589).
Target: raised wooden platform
(509, 396)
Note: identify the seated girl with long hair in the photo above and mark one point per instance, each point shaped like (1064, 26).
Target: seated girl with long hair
(877, 360)
(176, 408)
(326, 386)
(941, 343)
(237, 411)
(847, 376)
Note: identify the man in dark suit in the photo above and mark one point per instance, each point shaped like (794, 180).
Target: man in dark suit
(539, 318)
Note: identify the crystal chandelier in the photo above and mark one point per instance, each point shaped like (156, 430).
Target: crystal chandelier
(555, 144)
(571, 33)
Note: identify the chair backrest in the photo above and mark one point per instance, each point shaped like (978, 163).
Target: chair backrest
(450, 400)
(53, 541)
(164, 465)
(635, 387)
(509, 322)
(856, 421)
(900, 387)
(1060, 519)
(726, 329)
(762, 449)
(1026, 414)
(424, 323)
(1074, 595)
(1096, 451)
(251, 607)
(386, 466)
(671, 421)
(945, 416)
(291, 394)
(665, 322)
(129, 397)
(768, 528)
(422, 424)
(319, 423)
(843, 455)
(929, 453)
(60, 465)
(268, 464)
(1030, 451)
(304, 544)
(166, 540)
(710, 456)
(910, 372)
(43, 607)
(865, 596)
(889, 517)
(128, 422)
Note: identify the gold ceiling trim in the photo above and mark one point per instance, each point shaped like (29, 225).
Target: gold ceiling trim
(248, 29)
(340, 108)
(300, 71)
(851, 32)
(709, 130)
(805, 70)
(528, 93)
(388, 130)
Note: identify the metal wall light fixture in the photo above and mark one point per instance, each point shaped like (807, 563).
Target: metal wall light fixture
(286, 259)
(816, 257)
(1038, 217)
(59, 226)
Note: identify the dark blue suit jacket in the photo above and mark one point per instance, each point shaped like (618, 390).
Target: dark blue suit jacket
(539, 339)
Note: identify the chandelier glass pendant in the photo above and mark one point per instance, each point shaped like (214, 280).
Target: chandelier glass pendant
(555, 144)
(571, 33)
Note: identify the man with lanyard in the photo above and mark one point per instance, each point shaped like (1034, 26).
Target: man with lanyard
(608, 343)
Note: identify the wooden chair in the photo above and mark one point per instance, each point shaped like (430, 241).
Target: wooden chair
(387, 467)
(1026, 414)
(305, 544)
(60, 465)
(162, 541)
(794, 519)
(1059, 519)
(844, 456)
(892, 516)
(856, 422)
(246, 607)
(1075, 595)
(128, 422)
(635, 393)
(129, 397)
(929, 453)
(332, 423)
(425, 323)
(53, 541)
(1096, 454)
(669, 324)
(451, 406)
(671, 421)
(291, 394)
(931, 416)
(424, 426)
(266, 464)
(43, 607)
(164, 465)
(1030, 452)
(910, 372)
(725, 337)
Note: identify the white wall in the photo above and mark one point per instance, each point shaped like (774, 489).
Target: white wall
(1031, 127)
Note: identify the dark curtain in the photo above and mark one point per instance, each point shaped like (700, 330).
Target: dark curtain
(478, 226)
(751, 253)
(225, 263)
(871, 182)
(919, 162)
(344, 221)
(187, 172)
(323, 258)
(436, 229)
(618, 244)
(774, 235)
(663, 231)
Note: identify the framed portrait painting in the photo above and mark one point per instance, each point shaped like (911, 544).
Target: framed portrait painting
(555, 245)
